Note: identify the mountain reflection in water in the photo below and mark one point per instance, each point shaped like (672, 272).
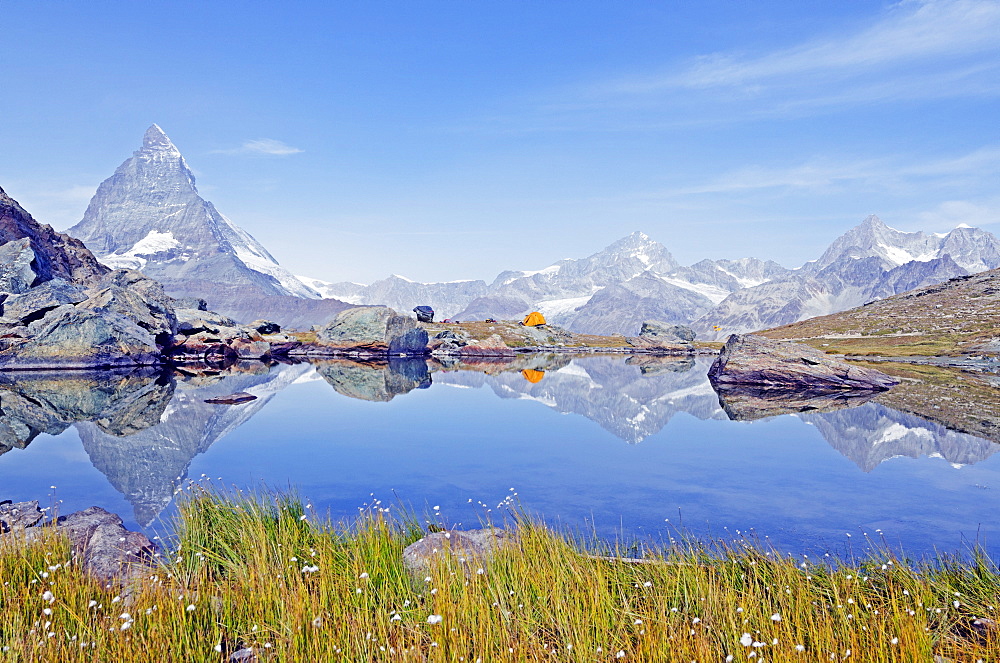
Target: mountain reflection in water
(141, 429)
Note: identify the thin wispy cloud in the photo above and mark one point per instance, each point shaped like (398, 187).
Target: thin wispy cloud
(910, 32)
(825, 175)
(263, 146)
(914, 51)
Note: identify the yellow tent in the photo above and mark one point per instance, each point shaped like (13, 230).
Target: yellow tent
(533, 319)
(532, 375)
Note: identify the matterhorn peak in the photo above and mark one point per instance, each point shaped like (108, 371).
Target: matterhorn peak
(155, 139)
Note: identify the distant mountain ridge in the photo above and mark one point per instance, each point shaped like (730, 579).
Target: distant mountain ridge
(637, 279)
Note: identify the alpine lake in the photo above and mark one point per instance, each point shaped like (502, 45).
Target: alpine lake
(635, 449)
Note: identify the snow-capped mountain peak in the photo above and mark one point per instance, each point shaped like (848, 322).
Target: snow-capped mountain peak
(149, 216)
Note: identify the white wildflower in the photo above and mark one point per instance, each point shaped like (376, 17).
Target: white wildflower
(434, 619)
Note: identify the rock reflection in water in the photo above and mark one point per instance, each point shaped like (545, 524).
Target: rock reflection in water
(119, 402)
(749, 403)
(375, 380)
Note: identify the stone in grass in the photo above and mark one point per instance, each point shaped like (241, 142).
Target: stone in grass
(470, 548)
(18, 515)
(101, 545)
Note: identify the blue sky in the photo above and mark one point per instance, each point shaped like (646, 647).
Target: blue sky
(448, 140)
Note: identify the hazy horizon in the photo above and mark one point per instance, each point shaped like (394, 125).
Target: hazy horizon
(457, 140)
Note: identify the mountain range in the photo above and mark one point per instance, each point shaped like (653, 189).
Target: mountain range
(636, 279)
(150, 216)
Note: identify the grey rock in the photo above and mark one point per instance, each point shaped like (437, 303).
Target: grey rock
(134, 296)
(191, 320)
(33, 304)
(266, 327)
(104, 548)
(196, 303)
(16, 274)
(56, 255)
(424, 313)
(658, 331)
(749, 359)
(470, 548)
(18, 515)
(376, 329)
(74, 337)
(243, 655)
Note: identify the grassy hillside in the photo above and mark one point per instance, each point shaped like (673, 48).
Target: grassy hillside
(958, 316)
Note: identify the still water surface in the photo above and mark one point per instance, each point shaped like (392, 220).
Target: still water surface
(633, 448)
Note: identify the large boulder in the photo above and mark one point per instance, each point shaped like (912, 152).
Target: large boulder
(470, 548)
(654, 335)
(131, 294)
(104, 548)
(74, 337)
(33, 304)
(374, 329)
(424, 313)
(748, 359)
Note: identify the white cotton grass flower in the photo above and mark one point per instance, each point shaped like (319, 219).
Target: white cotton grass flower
(48, 596)
(190, 608)
(310, 569)
(776, 617)
(746, 639)
(363, 575)
(620, 654)
(434, 619)
(800, 648)
(317, 622)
